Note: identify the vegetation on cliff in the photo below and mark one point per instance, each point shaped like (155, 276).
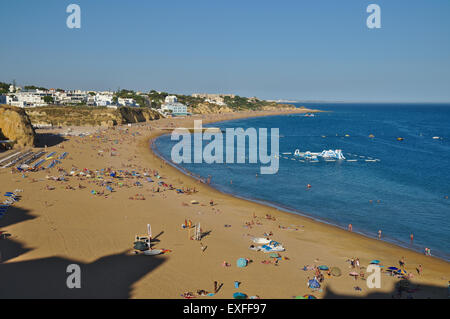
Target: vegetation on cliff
(89, 116)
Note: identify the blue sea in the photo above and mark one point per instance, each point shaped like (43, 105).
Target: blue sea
(402, 193)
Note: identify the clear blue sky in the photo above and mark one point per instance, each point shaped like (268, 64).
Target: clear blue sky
(315, 50)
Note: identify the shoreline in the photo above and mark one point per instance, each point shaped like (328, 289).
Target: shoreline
(393, 241)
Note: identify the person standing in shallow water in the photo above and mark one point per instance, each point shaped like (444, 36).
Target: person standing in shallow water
(350, 227)
(379, 234)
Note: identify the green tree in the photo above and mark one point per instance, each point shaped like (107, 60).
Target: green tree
(48, 99)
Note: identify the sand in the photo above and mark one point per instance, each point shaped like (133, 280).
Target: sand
(51, 229)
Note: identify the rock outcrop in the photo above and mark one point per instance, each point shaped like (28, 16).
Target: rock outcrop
(208, 108)
(15, 125)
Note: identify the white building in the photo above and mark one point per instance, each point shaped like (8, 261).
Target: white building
(103, 99)
(171, 105)
(30, 98)
(70, 97)
(126, 102)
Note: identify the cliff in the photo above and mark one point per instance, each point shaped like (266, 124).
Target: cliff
(15, 125)
(82, 116)
(207, 108)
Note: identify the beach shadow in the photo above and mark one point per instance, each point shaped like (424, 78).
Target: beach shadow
(48, 139)
(108, 277)
(10, 249)
(404, 289)
(15, 215)
(205, 234)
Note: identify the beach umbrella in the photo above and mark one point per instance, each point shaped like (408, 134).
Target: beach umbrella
(401, 272)
(241, 262)
(335, 271)
(313, 283)
(353, 274)
(375, 262)
(393, 269)
(323, 267)
(239, 295)
(274, 255)
(309, 297)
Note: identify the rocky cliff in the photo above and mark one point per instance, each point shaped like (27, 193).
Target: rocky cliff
(207, 108)
(15, 125)
(81, 116)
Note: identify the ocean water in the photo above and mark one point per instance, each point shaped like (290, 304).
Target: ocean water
(402, 193)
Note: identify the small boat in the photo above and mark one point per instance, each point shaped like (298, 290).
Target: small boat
(400, 138)
(152, 252)
(436, 137)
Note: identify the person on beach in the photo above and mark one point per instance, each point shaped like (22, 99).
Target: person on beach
(350, 227)
(401, 262)
(379, 234)
(419, 270)
(412, 238)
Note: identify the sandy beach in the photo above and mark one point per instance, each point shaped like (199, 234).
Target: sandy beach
(58, 223)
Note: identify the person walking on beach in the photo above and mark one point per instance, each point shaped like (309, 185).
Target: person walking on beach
(379, 234)
(350, 227)
(401, 262)
(412, 238)
(419, 270)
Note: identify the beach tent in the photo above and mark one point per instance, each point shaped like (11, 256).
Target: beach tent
(239, 295)
(323, 267)
(313, 283)
(241, 262)
(335, 271)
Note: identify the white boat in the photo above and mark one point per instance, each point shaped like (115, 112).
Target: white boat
(336, 154)
(152, 252)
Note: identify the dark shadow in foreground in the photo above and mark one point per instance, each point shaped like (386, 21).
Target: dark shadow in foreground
(108, 277)
(404, 289)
